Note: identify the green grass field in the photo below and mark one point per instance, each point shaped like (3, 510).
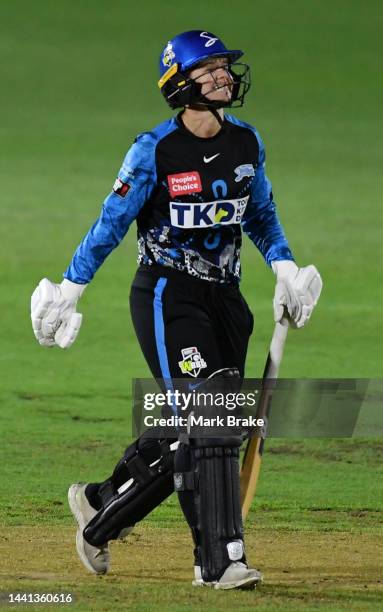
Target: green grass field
(78, 82)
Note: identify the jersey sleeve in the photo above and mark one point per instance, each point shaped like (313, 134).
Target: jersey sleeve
(132, 188)
(260, 220)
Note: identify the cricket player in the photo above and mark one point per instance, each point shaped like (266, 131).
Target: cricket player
(193, 185)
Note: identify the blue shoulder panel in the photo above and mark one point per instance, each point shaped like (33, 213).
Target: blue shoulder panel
(136, 180)
(260, 220)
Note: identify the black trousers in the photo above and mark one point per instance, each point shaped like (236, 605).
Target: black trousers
(187, 327)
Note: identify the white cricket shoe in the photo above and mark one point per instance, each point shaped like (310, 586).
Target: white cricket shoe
(96, 560)
(236, 576)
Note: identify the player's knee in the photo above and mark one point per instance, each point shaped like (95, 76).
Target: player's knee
(224, 383)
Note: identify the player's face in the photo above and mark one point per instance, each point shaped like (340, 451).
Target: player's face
(215, 79)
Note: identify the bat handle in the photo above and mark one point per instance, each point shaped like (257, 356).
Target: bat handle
(276, 347)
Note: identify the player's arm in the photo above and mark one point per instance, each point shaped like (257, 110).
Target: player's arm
(297, 289)
(53, 306)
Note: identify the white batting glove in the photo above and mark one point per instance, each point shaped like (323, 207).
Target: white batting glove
(53, 312)
(297, 291)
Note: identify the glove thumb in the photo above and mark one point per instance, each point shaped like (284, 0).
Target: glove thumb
(280, 301)
(68, 330)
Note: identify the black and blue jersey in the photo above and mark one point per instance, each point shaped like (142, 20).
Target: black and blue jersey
(191, 197)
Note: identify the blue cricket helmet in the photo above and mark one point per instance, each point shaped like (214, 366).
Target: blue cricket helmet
(190, 48)
(184, 52)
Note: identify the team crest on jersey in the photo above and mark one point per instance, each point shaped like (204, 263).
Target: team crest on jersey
(120, 187)
(184, 182)
(243, 171)
(206, 214)
(192, 361)
(169, 55)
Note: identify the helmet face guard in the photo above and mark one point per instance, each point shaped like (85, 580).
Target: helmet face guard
(179, 90)
(189, 50)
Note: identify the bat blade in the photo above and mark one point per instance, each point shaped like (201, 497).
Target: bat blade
(251, 463)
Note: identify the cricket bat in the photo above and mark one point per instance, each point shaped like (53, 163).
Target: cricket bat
(251, 463)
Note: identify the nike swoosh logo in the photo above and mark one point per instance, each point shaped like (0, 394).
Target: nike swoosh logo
(209, 159)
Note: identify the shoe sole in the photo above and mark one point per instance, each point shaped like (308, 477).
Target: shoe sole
(81, 526)
(246, 583)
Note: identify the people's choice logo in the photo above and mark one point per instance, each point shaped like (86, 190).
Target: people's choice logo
(210, 40)
(184, 182)
(192, 362)
(194, 215)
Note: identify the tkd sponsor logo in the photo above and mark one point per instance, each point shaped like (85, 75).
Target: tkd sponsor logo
(225, 212)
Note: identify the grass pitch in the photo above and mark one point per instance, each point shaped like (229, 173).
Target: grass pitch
(78, 82)
(320, 573)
